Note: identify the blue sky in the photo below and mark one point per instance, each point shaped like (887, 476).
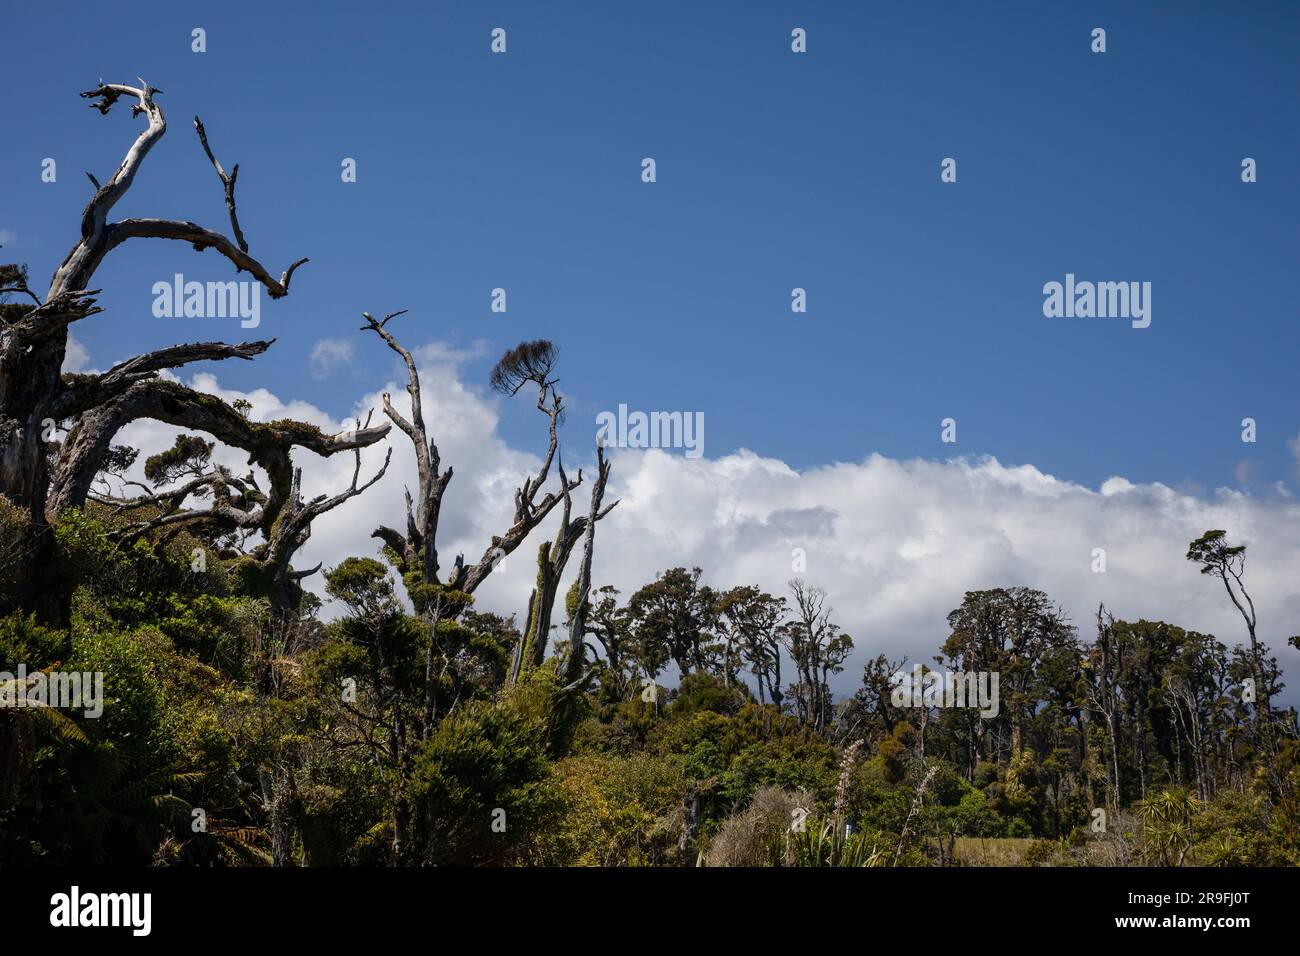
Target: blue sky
(775, 170)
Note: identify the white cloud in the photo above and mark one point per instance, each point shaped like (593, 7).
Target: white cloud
(896, 543)
(1293, 445)
(76, 356)
(328, 355)
(442, 353)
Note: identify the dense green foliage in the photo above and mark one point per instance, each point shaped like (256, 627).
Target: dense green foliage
(234, 735)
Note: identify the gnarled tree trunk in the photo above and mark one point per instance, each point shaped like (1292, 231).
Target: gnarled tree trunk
(36, 398)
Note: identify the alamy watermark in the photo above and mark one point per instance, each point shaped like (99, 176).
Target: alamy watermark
(133, 911)
(929, 688)
(64, 690)
(1101, 300)
(654, 430)
(209, 300)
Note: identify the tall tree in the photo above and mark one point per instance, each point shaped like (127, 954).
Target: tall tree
(1219, 559)
(607, 624)
(817, 649)
(752, 619)
(1103, 667)
(1227, 562)
(676, 613)
(1010, 631)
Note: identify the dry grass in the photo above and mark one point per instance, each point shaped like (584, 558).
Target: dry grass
(742, 840)
(991, 851)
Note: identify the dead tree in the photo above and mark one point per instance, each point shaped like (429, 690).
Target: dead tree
(552, 556)
(1103, 666)
(416, 552)
(238, 505)
(294, 528)
(575, 675)
(36, 398)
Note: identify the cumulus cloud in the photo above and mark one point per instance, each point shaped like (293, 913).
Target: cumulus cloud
(328, 355)
(76, 356)
(896, 543)
(1293, 445)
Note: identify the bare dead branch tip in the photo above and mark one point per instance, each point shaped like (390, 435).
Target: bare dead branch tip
(228, 182)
